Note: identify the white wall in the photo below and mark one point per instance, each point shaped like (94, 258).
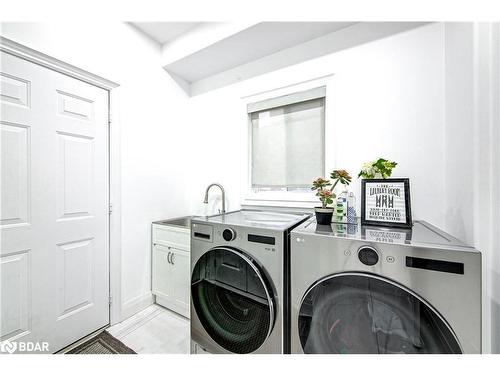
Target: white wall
(459, 117)
(150, 113)
(384, 100)
(472, 175)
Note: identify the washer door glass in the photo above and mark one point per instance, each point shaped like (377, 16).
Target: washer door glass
(362, 313)
(232, 300)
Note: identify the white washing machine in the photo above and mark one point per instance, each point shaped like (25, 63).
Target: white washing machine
(365, 289)
(239, 282)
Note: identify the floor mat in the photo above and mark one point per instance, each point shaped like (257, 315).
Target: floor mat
(103, 343)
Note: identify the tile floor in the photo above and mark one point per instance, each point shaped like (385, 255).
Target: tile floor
(154, 330)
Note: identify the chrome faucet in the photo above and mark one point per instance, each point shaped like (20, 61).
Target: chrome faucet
(223, 196)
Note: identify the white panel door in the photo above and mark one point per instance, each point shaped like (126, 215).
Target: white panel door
(54, 205)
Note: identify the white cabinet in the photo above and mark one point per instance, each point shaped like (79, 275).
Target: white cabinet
(171, 267)
(162, 273)
(180, 279)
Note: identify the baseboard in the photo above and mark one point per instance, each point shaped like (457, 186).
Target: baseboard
(136, 304)
(181, 310)
(134, 322)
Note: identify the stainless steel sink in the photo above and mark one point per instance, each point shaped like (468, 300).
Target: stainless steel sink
(183, 222)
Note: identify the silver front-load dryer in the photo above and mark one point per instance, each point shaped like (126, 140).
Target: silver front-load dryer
(365, 289)
(238, 282)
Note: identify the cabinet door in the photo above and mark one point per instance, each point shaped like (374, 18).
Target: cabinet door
(180, 280)
(162, 272)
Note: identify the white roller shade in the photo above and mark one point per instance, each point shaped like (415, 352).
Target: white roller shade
(288, 144)
(280, 101)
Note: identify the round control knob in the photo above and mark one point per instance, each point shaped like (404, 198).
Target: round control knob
(368, 256)
(228, 234)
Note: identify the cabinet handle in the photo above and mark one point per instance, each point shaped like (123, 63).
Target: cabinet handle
(172, 259)
(168, 257)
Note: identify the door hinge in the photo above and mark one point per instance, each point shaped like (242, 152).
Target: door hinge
(110, 208)
(109, 119)
(110, 300)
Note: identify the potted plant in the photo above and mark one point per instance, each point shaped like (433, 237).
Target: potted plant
(381, 168)
(324, 213)
(341, 176)
(324, 191)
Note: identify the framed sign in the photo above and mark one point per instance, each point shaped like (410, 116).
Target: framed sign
(386, 202)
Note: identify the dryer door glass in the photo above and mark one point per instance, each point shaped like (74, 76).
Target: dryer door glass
(232, 300)
(361, 313)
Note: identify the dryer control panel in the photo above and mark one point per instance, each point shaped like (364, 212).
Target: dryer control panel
(368, 255)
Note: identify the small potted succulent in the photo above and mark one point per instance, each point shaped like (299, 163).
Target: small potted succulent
(324, 191)
(342, 176)
(324, 213)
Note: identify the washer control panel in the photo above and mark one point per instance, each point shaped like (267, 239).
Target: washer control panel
(229, 234)
(368, 255)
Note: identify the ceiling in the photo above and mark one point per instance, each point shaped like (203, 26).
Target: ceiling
(165, 32)
(201, 56)
(250, 44)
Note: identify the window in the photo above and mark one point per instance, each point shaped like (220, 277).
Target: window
(287, 141)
